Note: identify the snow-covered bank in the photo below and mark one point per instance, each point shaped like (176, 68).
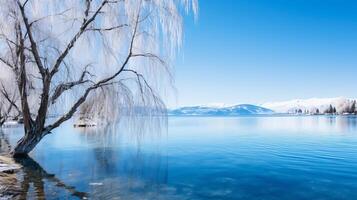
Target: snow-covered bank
(313, 105)
(9, 184)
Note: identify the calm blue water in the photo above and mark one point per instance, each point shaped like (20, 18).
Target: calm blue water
(312, 157)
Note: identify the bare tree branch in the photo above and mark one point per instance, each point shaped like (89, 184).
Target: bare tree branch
(67, 86)
(12, 100)
(22, 83)
(150, 55)
(6, 63)
(140, 77)
(107, 29)
(75, 38)
(99, 84)
(34, 49)
(45, 17)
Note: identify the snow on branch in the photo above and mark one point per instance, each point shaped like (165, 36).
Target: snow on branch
(47, 47)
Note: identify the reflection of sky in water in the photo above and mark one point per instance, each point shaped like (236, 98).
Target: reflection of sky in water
(312, 157)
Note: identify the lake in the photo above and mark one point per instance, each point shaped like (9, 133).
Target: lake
(258, 157)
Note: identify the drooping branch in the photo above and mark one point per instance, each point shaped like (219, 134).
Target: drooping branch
(5, 113)
(72, 42)
(140, 78)
(6, 63)
(83, 98)
(10, 42)
(99, 84)
(10, 100)
(61, 88)
(47, 76)
(108, 29)
(48, 16)
(150, 55)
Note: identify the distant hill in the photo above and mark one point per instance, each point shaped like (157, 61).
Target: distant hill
(311, 106)
(237, 110)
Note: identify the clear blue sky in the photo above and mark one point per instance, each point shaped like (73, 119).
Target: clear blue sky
(254, 51)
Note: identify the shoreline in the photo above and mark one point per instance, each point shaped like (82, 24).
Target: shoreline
(9, 183)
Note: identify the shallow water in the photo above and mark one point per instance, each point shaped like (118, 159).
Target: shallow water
(273, 157)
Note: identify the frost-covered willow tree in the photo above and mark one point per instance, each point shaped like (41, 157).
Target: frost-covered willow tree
(98, 56)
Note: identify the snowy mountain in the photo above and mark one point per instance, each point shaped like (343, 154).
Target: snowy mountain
(340, 104)
(243, 109)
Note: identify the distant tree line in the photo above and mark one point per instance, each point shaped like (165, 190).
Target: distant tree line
(349, 109)
(331, 110)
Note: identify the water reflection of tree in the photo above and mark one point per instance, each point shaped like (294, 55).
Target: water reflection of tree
(127, 171)
(342, 123)
(34, 175)
(118, 171)
(5, 147)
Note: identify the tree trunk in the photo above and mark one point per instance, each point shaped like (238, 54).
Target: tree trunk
(26, 144)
